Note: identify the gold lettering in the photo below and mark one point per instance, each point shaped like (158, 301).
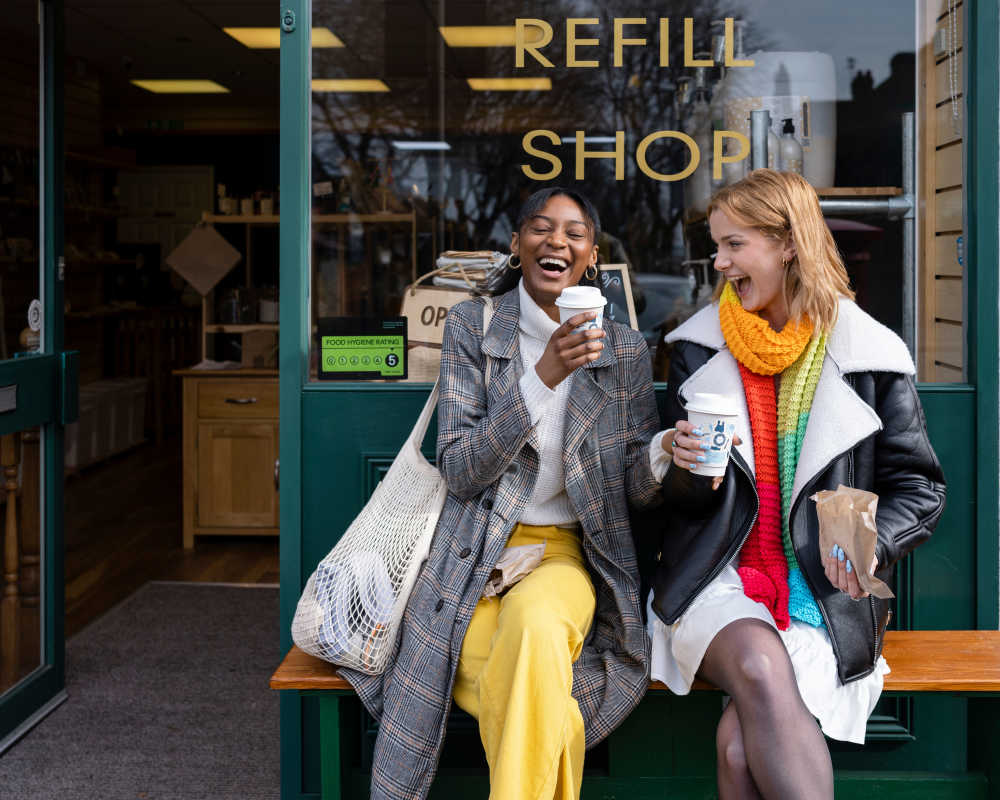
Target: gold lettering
(689, 59)
(618, 155)
(731, 60)
(640, 155)
(719, 147)
(522, 44)
(572, 42)
(620, 42)
(526, 143)
(664, 41)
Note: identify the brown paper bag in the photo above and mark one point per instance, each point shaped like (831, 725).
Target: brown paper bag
(847, 518)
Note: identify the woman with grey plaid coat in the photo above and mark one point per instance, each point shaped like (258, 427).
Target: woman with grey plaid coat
(527, 611)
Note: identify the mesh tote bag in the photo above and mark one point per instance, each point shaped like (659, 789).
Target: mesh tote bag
(351, 607)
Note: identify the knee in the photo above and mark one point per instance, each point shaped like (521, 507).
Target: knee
(521, 623)
(767, 686)
(756, 668)
(729, 746)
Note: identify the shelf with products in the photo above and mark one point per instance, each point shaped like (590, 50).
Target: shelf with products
(351, 286)
(242, 308)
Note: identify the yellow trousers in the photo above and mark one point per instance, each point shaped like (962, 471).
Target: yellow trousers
(515, 673)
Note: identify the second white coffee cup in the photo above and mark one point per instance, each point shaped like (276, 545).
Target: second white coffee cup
(577, 299)
(715, 416)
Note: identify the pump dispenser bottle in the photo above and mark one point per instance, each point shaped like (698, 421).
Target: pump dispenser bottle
(790, 151)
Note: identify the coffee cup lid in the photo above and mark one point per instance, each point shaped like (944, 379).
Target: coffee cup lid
(581, 297)
(710, 403)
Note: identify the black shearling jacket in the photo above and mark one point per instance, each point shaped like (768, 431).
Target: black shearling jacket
(866, 429)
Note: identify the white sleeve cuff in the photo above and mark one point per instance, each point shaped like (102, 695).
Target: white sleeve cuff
(659, 459)
(537, 396)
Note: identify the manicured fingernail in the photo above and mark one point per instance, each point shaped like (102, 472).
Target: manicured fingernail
(701, 458)
(697, 432)
(849, 568)
(833, 552)
(704, 446)
(840, 553)
(693, 466)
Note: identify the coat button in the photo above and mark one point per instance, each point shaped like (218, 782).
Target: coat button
(439, 606)
(465, 552)
(488, 504)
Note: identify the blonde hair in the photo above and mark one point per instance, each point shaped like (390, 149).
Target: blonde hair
(781, 205)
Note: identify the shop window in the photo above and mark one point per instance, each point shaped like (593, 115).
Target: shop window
(427, 136)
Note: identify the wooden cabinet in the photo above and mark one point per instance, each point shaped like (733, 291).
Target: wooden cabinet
(230, 453)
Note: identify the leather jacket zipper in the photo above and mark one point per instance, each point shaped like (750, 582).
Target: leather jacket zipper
(728, 560)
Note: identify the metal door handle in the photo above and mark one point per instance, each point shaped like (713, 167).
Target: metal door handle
(241, 401)
(277, 473)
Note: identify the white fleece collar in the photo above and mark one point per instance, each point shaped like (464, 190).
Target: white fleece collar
(857, 343)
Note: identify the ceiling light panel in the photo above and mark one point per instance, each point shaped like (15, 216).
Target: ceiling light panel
(270, 38)
(348, 85)
(174, 86)
(478, 35)
(510, 84)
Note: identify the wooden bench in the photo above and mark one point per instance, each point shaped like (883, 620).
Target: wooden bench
(953, 662)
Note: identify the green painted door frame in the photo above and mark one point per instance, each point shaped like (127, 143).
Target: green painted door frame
(315, 454)
(46, 394)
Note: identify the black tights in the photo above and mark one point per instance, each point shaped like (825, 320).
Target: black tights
(768, 744)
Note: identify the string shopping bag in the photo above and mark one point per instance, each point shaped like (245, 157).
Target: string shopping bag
(352, 605)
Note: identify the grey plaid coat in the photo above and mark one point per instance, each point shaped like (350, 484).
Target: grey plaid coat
(487, 453)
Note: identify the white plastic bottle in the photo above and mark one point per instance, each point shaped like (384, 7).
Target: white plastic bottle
(790, 151)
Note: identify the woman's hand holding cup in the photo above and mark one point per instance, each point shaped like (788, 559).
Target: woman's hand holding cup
(687, 447)
(568, 349)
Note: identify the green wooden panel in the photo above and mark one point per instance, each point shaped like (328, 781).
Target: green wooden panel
(943, 589)
(348, 436)
(982, 209)
(37, 380)
(847, 786)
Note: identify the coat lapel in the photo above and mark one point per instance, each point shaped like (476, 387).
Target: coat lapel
(721, 375)
(838, 421)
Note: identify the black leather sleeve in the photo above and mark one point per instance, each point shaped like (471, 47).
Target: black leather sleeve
(907, 475)
(693, 493)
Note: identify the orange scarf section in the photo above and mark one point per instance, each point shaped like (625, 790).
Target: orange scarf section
(754, 343)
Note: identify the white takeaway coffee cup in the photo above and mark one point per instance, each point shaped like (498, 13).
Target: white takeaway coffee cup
(577, 299)
(715, 416)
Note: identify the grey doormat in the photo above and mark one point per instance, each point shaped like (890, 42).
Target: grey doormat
(168, 699)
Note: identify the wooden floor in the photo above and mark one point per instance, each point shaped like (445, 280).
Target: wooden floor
(123, 528)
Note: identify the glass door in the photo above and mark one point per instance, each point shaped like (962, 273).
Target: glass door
(37, 385)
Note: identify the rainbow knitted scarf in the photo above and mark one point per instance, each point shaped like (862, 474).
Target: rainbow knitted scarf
(768, 568)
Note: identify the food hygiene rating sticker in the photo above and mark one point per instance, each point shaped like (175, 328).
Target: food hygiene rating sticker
(361, 348)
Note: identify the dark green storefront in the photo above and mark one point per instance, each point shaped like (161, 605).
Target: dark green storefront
(337, 439)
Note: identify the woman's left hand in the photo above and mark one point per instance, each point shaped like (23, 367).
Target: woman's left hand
(840, 572)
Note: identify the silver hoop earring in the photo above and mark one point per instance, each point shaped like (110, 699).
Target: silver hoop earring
(510, 261)
(591, 275)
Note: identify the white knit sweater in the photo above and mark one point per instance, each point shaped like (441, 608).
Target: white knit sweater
(549, 503)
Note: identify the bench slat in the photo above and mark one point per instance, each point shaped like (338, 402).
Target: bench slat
(921, 661)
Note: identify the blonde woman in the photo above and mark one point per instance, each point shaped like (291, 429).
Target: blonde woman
(742, 595)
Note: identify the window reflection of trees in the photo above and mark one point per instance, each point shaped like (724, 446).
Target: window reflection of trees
(476, 186)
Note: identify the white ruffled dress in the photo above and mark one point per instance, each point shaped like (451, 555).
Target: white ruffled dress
(678, 649)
